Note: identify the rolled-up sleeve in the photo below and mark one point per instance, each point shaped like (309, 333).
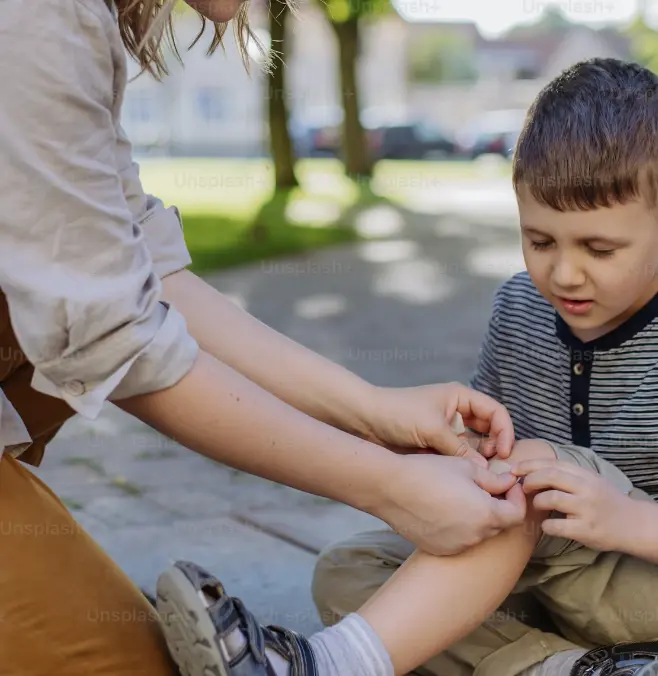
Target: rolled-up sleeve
(82, 291)
(162, 226)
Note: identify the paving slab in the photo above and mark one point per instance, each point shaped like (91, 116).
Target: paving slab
(272, 577)
(314, 527)
(120, 511)
(84, 497)
(191, 504)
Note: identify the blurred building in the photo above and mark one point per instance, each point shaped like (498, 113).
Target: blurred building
(212, 106)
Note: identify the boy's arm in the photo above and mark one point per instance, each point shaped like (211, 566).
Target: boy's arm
(642, 532)
(485, 378)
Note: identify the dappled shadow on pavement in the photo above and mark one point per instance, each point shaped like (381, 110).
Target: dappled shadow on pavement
(408, 309)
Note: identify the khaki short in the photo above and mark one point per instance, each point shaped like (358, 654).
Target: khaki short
(568, 597)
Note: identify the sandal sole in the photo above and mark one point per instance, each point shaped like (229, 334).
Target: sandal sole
(188, 629)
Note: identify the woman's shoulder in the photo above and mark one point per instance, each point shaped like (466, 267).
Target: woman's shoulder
(69, 48)
(72, 23)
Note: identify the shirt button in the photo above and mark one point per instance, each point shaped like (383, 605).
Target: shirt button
(578, 409)
(75, 388)
(578, 369)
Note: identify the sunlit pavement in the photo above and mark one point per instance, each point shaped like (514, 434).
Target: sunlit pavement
(410, 309)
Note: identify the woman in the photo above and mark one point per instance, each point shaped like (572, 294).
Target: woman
(98, 306)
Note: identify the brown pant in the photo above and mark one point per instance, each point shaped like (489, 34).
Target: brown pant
(568, 597)
(65, 607)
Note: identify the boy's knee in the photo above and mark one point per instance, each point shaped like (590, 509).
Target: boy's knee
(531, 449)
(347, 573)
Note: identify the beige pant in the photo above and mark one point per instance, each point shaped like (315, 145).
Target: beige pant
(568, 597)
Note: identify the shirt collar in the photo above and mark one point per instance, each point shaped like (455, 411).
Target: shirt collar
(615, 338)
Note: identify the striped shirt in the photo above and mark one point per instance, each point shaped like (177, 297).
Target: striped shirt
(602, 394)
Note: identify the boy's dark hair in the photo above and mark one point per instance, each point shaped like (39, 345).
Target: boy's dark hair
(590, 138)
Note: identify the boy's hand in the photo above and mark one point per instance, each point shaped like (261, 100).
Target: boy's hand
(482, 443)
(596, 513)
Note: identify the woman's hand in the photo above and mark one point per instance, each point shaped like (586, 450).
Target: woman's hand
(596, 513)
(445, 505)
(412, 419)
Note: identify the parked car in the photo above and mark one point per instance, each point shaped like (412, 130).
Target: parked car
(494, 133)
(389, 136)
(317, 133)
(413, 141)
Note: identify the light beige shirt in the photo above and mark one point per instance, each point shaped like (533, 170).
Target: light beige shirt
(82, 248)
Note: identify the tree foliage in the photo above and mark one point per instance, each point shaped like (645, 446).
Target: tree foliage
(441, 57)
(644, 43)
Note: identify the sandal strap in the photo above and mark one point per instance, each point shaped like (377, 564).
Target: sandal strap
(253, 630)
(609, 656)
(229, 613)
(294, 647)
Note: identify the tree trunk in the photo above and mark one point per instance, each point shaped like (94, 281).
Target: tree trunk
(281, 146)
(356, 153)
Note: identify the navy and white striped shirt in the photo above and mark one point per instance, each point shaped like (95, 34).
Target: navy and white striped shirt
(602, 394)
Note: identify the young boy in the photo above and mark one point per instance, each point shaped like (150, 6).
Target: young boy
(572, 351)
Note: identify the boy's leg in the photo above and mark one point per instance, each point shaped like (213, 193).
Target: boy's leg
(65, 607)
(348, 575)
(596, 598)
(427, 607)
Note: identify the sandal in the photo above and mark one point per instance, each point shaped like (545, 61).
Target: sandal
(198, 615)
(621, 659)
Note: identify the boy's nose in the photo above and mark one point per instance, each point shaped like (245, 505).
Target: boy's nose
(566, 275)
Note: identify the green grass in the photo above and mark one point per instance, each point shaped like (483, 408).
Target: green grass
(90, 463)
(216, 241)
(232, 215)
(128, 487)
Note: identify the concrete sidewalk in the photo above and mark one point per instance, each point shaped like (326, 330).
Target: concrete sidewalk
(405, 311)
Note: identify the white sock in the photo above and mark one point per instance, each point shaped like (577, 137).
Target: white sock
(559, 664)
(236, 641)
(350, 648)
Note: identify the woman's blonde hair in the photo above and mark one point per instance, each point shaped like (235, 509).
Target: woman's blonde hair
(144, 23)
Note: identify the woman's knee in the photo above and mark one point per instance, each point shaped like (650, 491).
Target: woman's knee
(67, 607)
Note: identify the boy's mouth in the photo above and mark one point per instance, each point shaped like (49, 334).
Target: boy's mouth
(576, 307)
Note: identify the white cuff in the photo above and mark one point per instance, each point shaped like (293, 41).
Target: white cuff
(168, 357)
(74, 392)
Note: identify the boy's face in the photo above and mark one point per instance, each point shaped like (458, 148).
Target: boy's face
(597, 268)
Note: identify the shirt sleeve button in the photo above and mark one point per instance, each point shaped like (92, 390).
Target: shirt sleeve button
(75, 388)
(578, 409)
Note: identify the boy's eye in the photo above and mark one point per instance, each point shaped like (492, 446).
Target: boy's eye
(601, 253)
(540, 245)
